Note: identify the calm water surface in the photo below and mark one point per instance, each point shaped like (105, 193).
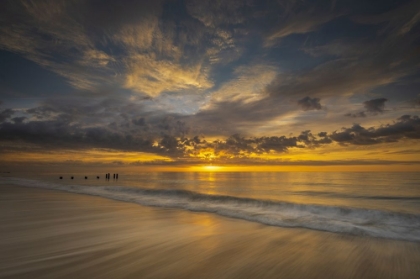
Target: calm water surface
(398, 192)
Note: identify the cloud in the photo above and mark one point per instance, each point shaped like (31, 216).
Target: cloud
(70, 124)
(18, 120)
(309, 103)
(247, 85)
(415, 102)
(161, 77)
(153, 77)
(406, 126)
(300, 23)
(401, 20)
(6, 114)
(139, 121)
(240, 147)
(357, 65)
(132, 47)
(375, 105)
(336, 77)
(138, 48)
(50, 34)
(215, 13)
(356, 115)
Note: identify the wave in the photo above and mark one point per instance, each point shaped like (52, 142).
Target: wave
(356, 221)
(353, 196)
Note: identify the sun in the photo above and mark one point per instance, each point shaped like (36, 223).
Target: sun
(211, 168)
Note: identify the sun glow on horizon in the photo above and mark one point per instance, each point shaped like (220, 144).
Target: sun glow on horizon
(208, 168)
(212, 168)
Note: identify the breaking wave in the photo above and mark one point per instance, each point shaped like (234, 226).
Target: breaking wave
(357, 221)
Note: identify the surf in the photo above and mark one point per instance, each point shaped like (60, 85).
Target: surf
(337, 219)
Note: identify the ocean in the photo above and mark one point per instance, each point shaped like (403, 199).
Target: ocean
(384, 205)
(380, 208)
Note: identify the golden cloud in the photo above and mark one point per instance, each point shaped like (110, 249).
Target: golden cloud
(151, 76)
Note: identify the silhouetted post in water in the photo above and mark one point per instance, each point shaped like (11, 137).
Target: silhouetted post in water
(85, 177)
(72, 177)
(109, 175)
(114, 175)
(61, 177)
(97, 177)
(117, 175)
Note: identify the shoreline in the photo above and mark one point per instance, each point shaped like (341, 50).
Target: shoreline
(53, 234)
(354, 221)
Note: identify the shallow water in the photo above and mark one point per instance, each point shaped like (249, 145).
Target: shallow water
(399, 192)
(53, 234)
(376, 204)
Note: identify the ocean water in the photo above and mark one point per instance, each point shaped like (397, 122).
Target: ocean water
(383, 205)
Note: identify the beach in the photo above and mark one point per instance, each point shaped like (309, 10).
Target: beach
(53, 234)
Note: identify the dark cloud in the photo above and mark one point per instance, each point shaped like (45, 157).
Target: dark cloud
(375, 105)
(18, 120)
(42, 112)
(171, 146)
(416, 102)
(6, 114)
(55, 127)
(139, 121)
(230, 117)
(309, 103)
(406, 126)
(59, 134)
(356, 115)
(276, 144)
(79, 123)
(69, 131)
(237, 146)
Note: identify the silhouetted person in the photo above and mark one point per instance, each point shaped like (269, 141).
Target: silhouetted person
(97, 177)
(114, 175)
(61, 177)
(72, 177)
(85, 177)
(117, 176)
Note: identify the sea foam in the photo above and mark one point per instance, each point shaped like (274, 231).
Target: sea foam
(357, 221)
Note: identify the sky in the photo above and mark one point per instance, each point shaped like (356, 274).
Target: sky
(209, 84)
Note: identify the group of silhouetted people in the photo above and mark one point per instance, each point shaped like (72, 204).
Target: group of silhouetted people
(107, 176)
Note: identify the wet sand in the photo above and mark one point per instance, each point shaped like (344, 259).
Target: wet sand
(51, 234)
